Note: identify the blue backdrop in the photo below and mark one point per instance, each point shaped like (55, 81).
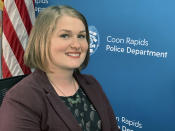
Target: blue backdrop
(132, 56)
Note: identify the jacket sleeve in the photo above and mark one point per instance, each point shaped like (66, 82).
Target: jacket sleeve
(16, 115)
(112, 118)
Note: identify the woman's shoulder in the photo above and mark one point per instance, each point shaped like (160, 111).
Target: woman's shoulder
(24, 86)
(26, 97)
(89, 80)
(27, 91)
(87, 77)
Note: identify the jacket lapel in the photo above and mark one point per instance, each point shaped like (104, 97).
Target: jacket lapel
(62, 110)
(57, 104)
(91, 91)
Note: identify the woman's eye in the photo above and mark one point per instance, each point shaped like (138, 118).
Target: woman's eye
(81, 36)
(64, 36)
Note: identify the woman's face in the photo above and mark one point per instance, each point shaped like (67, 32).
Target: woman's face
(68, 45)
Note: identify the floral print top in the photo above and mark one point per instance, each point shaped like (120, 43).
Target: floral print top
(83, 110)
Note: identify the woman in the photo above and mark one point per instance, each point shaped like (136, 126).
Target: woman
(56, 96)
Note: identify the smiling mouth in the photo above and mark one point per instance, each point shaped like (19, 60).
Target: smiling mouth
(76, 54)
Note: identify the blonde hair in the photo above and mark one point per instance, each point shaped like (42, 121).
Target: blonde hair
(37, 52)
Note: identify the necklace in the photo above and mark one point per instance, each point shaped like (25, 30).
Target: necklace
(70, 99)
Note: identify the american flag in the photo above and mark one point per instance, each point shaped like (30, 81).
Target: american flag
(18, 18)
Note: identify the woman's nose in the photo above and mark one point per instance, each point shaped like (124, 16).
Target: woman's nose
(75, 43)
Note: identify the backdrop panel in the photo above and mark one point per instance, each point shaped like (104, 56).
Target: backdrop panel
(132, 56)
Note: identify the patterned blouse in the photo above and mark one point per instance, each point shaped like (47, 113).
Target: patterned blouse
(83, 110)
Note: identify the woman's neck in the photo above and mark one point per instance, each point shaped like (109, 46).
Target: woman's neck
(61, 77)
(63, 82)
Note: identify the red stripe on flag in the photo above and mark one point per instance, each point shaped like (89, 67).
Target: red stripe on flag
(13, 40)
(5, 70)
(24, 14)
(34, 3)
